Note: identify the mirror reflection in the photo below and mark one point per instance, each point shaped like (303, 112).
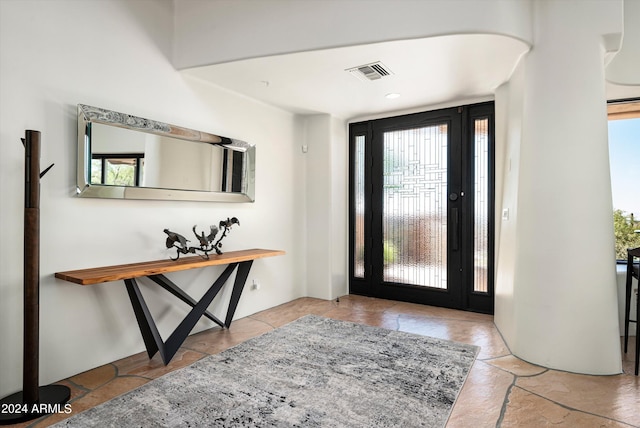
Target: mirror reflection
(123, 156)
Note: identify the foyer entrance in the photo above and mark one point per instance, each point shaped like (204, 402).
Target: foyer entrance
(421, 207)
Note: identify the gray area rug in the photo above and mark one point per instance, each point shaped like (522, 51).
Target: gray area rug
(313, 372)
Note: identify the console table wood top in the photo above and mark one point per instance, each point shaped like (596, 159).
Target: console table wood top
(136, 270)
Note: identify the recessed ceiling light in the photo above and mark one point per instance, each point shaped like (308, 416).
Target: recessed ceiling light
(392, 96)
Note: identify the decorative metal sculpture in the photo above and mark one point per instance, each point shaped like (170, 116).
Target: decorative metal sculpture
(179, 242)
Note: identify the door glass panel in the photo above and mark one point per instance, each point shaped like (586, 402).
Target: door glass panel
(358, 196)
(481, 208)
(415, 206)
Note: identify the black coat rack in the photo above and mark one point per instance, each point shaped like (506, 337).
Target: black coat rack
(34, 400)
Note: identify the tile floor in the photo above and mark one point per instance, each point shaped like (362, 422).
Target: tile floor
(501, 390)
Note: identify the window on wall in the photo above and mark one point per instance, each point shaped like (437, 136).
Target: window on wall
(117, 169)
(624, 158)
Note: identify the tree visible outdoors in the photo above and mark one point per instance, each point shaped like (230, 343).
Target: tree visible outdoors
(627, 232)
(624, 149)
(96, 171)
(120, 175)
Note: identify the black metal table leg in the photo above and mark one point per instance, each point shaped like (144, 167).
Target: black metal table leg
(152, 339)
(238, 286)
(184, 328)
(172, 288)
(150, 333)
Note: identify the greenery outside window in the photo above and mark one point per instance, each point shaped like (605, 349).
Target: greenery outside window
(624, 157)
(117, 169)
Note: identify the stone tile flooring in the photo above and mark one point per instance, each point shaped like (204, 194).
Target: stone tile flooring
(501, 390)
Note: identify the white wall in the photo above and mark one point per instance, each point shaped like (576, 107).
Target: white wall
(325, 141)
(318, 195)
(114, 54)
(177, 164)
(339, 207)
(508, 114)
(111, 139)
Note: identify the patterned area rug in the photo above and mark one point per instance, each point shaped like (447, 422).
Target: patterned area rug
(313, 372)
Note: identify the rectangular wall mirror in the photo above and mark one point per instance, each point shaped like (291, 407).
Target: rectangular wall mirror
(127, 157)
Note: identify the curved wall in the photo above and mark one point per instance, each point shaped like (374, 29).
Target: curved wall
(556, 301)
(223, 31)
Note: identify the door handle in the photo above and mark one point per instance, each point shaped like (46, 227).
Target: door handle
(456, 229)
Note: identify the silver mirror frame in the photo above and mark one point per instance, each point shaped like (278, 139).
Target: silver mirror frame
(88, 115)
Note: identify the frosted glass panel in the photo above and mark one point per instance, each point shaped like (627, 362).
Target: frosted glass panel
(481, 202)
(358, 192)
(415, 206)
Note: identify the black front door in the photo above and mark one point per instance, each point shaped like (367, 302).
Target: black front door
(421, 208)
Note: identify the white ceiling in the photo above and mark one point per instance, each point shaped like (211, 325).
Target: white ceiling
(425, 72)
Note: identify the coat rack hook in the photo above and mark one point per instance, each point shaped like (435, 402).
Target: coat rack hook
(46, 170)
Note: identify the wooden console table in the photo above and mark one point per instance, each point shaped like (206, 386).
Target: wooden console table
(155, 271)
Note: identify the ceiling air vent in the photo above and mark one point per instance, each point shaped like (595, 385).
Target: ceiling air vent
(373, 71)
